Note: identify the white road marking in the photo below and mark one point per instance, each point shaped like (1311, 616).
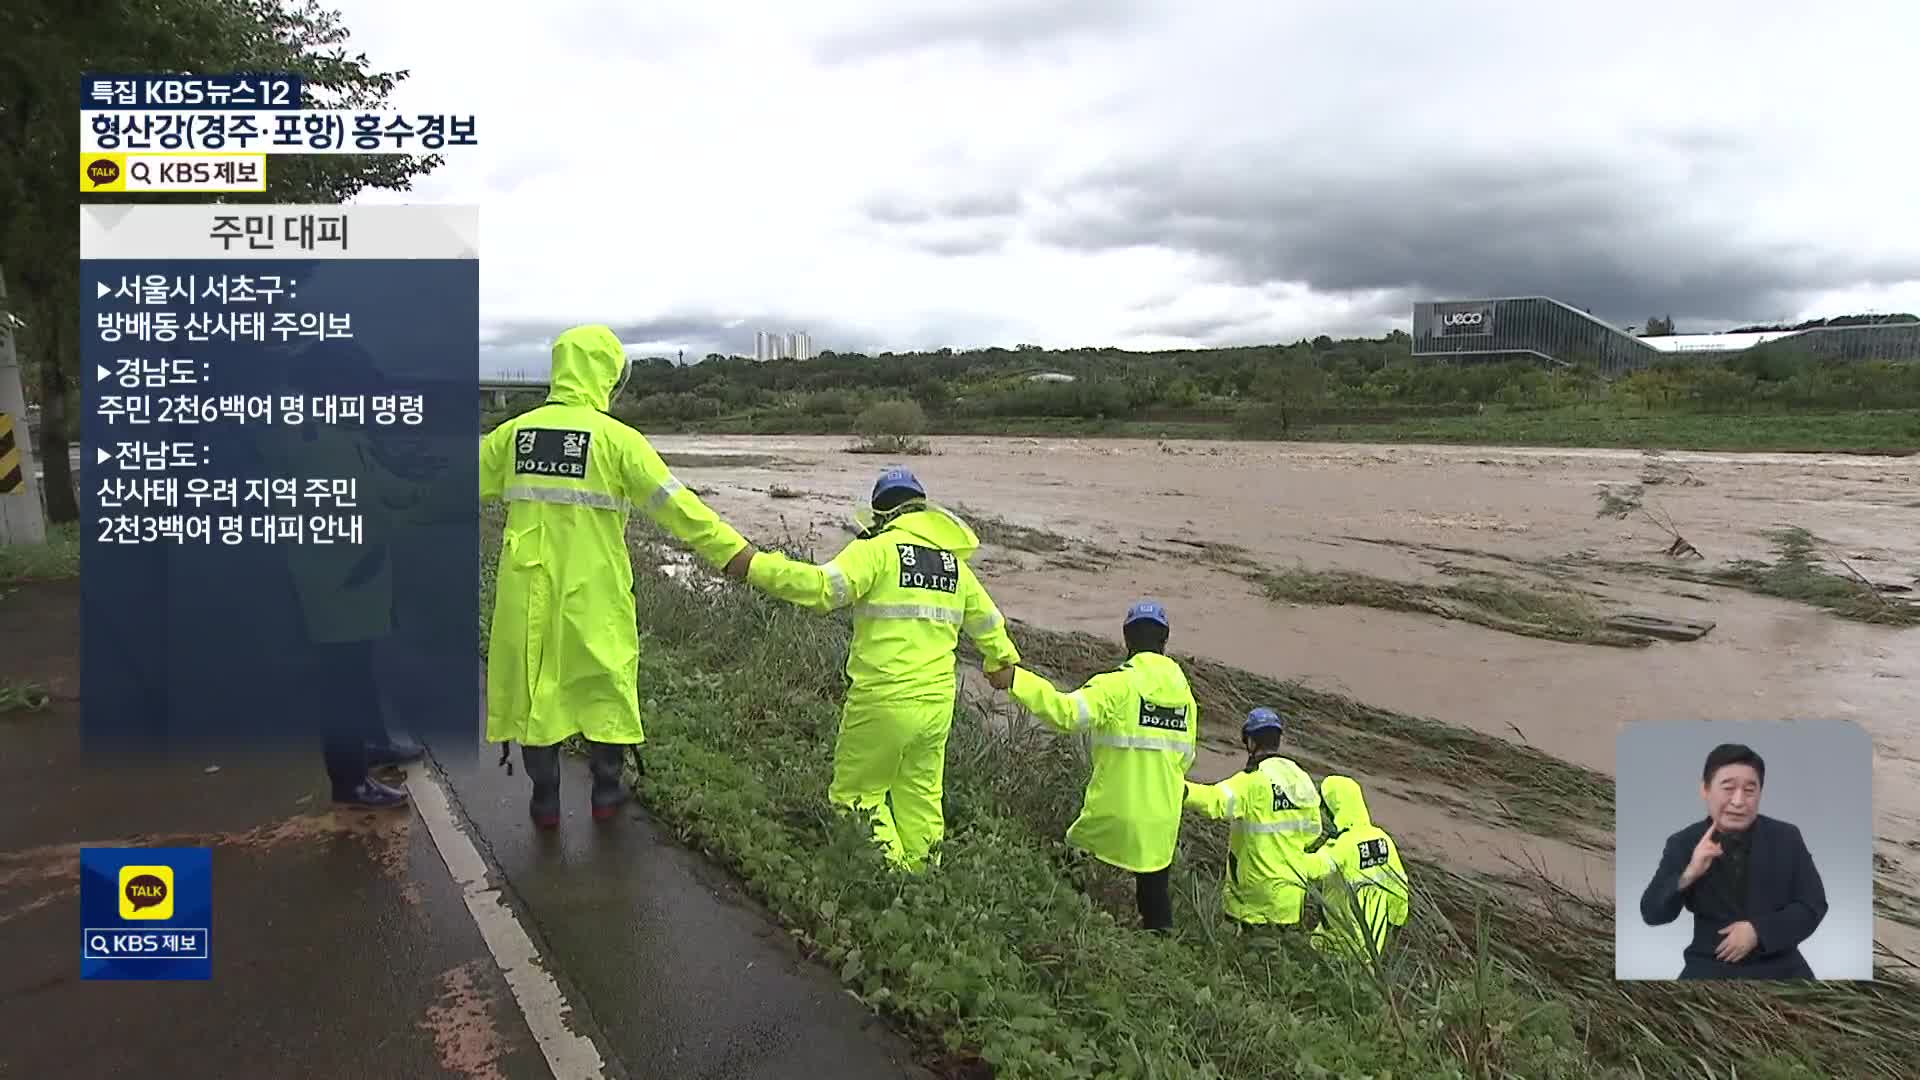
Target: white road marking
(569, 1055)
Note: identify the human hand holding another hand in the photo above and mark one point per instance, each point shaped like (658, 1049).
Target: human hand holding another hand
(1002, 679)
(738, 566)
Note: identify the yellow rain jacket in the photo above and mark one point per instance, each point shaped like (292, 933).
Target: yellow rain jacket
(563, 652)
(1144, 727)
(912, 595)
(1274, 813)
(1368, 861)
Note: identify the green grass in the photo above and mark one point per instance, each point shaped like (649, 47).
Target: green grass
(1487, 600)
(723, 461)
(1798, 574)
(22, 697)
(1859, 432)
(1886, 432)
(56, 560)
(1016, 955)
(1003, 533)
(1501, 782)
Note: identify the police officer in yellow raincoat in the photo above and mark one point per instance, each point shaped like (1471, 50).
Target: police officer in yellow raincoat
(1274, 813)
(912, 593)
(563, 653)
(1144, 727)
(1364, 871)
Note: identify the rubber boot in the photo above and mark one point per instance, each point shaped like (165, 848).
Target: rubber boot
(543, 768)
(608, 761)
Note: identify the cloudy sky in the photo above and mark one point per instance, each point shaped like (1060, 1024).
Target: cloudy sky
(920, 173)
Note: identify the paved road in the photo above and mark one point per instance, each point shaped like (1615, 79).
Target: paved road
(448, 940)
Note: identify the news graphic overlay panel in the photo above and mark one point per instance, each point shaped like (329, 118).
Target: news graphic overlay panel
(1770, 780)
(131, 101)
(279, 475)
(146, 913)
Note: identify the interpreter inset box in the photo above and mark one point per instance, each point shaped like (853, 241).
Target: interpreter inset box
(1743, 850)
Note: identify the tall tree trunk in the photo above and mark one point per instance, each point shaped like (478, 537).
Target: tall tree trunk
(53, 336)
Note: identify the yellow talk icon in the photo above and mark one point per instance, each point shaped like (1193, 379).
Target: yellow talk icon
(146, 892)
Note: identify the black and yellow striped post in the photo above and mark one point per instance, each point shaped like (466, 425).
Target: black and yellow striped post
(13, 476)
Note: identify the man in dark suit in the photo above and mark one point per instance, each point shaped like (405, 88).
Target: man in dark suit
(1748, 879)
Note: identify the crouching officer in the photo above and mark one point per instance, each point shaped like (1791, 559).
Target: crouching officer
(1274, 813)
(1366, 882)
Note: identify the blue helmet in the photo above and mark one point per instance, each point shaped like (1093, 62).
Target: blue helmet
(897, 479)
(1147, 611)
(1263, 719)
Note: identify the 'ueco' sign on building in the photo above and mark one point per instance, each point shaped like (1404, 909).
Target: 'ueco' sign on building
(1455, 320)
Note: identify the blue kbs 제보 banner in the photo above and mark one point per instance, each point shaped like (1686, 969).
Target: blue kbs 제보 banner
(146, 913)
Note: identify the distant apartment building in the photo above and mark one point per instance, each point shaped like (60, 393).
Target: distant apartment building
(771, 345)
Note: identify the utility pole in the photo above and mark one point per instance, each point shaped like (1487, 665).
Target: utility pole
(21, 517)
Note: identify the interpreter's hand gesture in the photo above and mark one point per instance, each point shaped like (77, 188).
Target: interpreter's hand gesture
(1704, 853)
(1736, 942)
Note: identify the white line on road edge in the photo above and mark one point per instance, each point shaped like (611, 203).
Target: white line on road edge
(569, 1055)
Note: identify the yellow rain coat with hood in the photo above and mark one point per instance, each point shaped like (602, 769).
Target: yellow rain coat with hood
(1274, 814)
(1367, 860)
(563, 653)
(1144, 726)
(912, 595)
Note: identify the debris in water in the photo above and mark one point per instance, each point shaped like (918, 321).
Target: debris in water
(1659, 626)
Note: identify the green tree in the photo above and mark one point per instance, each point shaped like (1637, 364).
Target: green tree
(48, 45)
(892, 427)
(1292, 383)
(1717, 389)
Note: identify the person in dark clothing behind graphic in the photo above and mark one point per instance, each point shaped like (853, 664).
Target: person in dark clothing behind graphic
(1748, 879)
(343, 590)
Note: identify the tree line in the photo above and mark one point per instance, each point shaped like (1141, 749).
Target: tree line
(1277, 386)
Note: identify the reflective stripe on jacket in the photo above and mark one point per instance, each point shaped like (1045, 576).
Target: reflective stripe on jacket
(1274, 813)
(1143, 724)
(563, 650)
(1368, 861)
(912, 595)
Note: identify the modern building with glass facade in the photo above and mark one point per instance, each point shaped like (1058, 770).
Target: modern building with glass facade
(1544, 330)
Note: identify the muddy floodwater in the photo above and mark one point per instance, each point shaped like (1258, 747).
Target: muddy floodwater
(1090, 525)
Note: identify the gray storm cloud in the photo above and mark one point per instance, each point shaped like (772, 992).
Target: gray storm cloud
(1580, 231)
(1000, 26)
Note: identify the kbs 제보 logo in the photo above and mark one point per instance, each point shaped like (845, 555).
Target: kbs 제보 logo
(146, 913)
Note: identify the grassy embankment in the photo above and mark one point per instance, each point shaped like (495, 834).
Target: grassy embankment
(1884, 432)
(56, 560)
(1011, 953)
(1895, 433)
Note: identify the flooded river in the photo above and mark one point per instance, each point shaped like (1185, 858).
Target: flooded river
(1185, 521)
